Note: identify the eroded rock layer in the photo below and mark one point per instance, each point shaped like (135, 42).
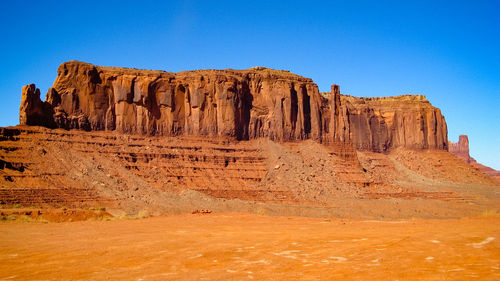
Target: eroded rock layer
(42, 167)
(379, 124)
(47, 168)
(243, 104)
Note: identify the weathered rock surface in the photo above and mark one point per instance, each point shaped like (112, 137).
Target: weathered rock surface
(461, 150)
(243, 104)
(378, 124)
(257, 102)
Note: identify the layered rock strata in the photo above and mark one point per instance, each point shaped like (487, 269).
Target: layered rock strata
(244, 104)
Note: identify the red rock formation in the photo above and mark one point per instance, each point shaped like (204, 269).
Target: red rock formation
(244, 104)
(461, 150)
(378, 124)
(257, 102)
(33, 111)
(334, 118)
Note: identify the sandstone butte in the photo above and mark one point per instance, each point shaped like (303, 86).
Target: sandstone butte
(461, 150)
(208, 144)
(242, 104)
(136, 140)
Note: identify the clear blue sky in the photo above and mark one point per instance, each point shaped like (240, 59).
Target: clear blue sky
(448, 51)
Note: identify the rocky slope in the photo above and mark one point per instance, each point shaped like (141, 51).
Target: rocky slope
(244, 104)
(133, 174)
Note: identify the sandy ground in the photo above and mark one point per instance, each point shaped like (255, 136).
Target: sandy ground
(245, 247)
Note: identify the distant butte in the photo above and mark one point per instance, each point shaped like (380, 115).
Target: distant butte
(461, 150)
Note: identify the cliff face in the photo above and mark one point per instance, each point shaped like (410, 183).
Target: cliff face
(244, 104)
(378, 124)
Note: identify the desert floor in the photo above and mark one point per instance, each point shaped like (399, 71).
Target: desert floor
(244, 246)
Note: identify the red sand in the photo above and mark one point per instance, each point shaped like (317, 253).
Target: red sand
(241, 247)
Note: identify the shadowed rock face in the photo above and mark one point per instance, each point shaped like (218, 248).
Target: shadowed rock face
(378, 124)
(33, 111)
(244, 104)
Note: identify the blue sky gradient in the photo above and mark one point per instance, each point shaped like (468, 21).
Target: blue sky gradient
(446, 50)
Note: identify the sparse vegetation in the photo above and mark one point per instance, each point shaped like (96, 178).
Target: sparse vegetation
(20, 218)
